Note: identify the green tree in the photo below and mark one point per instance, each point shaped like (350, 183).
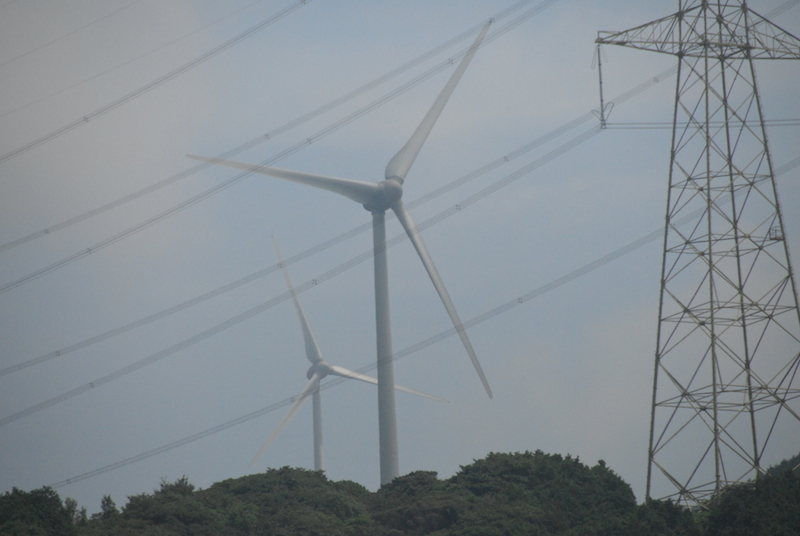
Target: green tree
(78, 516)
(419, 503)
(537, 493)
(661, 518)
(39, 512)
(108, 509)
(792, 464)
(768, 507)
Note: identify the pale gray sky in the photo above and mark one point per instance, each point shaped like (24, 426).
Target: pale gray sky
(571, 370)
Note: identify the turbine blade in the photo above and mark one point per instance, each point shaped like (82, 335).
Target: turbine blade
(399, 165)
(312, 349)
(312, 386)
(413, 233)
(358, 191)
(347, 373)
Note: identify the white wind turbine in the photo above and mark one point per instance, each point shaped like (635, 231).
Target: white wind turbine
(377, 198)
(319, 369)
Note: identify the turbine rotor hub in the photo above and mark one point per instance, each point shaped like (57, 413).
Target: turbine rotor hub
(320, 367)
(391, 190)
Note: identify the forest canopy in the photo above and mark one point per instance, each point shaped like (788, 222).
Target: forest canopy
(502, 494)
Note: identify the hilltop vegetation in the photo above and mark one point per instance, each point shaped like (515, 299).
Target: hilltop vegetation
(792, 464)
(502, 494)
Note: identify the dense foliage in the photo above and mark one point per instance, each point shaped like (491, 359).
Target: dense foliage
(792, 464)
(39, 512)
(768, 507)
(502, 494)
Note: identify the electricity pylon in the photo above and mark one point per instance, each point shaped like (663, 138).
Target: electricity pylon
(725, 387)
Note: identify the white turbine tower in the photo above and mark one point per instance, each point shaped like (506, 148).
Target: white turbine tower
(319, 370)
(377, 198)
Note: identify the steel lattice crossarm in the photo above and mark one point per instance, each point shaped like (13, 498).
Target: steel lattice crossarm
(738, 32)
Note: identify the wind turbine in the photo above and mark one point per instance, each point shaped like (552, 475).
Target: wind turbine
(319, 370)
(377, 198)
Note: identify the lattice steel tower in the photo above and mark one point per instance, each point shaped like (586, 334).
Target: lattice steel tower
(726, 385)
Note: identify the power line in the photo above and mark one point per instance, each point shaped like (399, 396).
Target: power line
(330, 129)
(152, 85)
(344, 236)
(788, 165)
(780, 9)
(266, 271)
(286, 402)
(178, 443)
(358, 260)
(158, 356)
(222, 186)
(132, 60)
(56, 40)
(293, 123)
(503, 308)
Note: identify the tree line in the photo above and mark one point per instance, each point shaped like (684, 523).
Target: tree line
(530, 493)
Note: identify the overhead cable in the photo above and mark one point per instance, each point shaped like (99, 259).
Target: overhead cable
(503, 160)
(503, 308)
(57, 39)
(158, 356)
(152, 85)
(288, 126)
(360, 259)
(490, 314)
(128, 62)
(243, 175)
(784, 7)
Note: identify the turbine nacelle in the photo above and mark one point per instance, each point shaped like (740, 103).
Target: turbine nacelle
(390, 192)
(321, 368)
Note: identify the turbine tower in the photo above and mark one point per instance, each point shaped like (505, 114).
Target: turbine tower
(319, 369)
(725, 387)
(377, 198)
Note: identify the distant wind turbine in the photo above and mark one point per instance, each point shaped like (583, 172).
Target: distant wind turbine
(377, 198)
(319, 370)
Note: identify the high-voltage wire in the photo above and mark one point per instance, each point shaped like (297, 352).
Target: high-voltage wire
(250, 416)
(340, 238)
(181, 442)
(366, 256)
(788, 165)
(152, 85)
(241, 176)
(291, 260)
(158, 356)
(56, 40)
(505, 307)
(224, 185)
(128, 62)
(516, 302)
(300, 120)
(780, 9)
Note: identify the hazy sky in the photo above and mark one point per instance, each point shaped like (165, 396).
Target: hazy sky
(571, 370)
